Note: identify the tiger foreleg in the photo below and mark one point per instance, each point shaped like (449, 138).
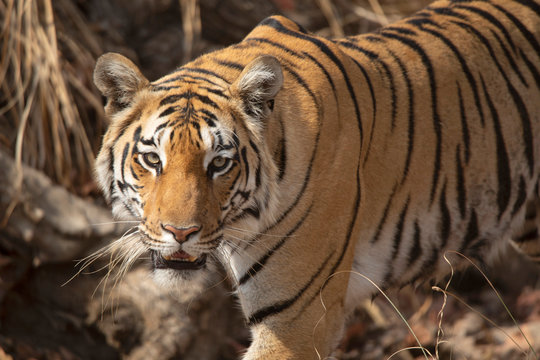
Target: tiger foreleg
(307, 327)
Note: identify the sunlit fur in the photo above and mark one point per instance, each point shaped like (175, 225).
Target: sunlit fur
(375, 154)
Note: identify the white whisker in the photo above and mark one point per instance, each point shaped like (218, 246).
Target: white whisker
(255, 232)
(115, 222)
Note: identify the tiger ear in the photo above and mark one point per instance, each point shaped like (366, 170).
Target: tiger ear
(258, 85)
(118, 79)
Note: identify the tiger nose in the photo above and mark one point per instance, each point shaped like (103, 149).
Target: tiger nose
(181, 234)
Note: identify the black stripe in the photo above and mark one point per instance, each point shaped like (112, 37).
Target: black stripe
(205, 72)
(171, 137)
(246, 164)
(161, 126)
(302, 83)
(204, 79)
(167, 111)
(383, 218)
(464, 125)
(197, 127)
(521, 196)
(449, 12)
(149, 142)
(135, 176)
(171, 99)
(445, 221)
(125, 124)
(503, 166)
(372, 92)
(398, 234)
(137, 134)
(183, 79)
(215, 91)
(244, 194)
(420, 22)
(124, 158)
(269, 19)
(230, 64)
(410, 130)
(188, 95)
(282, 152)
(427, 266)
(258, 169)
(399, 30)
(277, 45)
(374, 105)
(532, 68)
(518, 102)
(461, 190)
(259, 264)
(416, 250)
(233, 184)
(412, 44)
(210, 118)
(111, 170)
(209, 121)
(157, 86)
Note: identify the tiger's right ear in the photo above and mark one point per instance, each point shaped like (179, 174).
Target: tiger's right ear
(118, 79)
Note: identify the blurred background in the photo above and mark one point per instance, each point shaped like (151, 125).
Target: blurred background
(51, 213)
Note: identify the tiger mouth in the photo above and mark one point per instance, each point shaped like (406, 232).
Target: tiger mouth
(179, 260)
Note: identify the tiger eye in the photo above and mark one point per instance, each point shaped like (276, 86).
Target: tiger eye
(151, 158)
(219, 162)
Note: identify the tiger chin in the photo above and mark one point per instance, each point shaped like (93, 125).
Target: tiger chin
(312, 169)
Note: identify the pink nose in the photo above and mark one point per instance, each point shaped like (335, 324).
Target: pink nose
(182, 234)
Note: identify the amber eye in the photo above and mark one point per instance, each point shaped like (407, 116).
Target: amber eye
(151, 159)
(219, 163)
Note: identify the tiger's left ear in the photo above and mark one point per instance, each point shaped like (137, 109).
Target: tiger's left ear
(258, 85)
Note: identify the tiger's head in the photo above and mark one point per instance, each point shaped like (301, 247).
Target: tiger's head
(185, 156)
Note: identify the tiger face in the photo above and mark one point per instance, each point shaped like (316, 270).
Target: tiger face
(187, 147)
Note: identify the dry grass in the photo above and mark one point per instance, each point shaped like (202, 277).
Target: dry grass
(191, 25)
(45, 98)
(346, 17)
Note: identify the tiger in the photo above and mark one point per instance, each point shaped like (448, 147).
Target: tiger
(299, 162)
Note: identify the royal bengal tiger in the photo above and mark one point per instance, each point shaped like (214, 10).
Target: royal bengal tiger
(297, 161)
